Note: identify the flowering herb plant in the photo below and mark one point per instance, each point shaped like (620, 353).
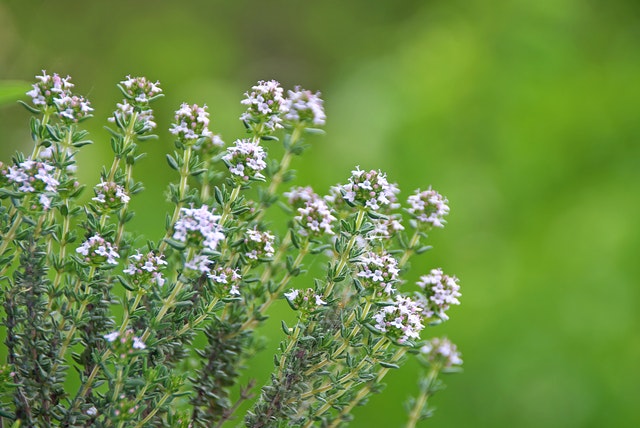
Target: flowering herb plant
(105, 329)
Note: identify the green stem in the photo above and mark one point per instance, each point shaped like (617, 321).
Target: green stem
(426, 391)
(182, 191)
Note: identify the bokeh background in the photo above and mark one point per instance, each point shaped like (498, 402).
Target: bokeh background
(525, 114)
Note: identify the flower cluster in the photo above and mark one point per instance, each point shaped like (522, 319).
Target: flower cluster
(385, 228)
(265, 105)
(245, 160)
(55, 91)
(258, 244)
(380, 271)
(198, 263)
(140, 90)
(428, 207)
(191, 124)
(34, 177)
(400, 319)
(199, 228)
(441, 351)
(315, 218)
(49, 88)
(145, 268)
(298, 196)
(305, 107)
(124, 344)
(305, 300)
(110, 195)
(369, 189)
(96, 250)
(227, 279)
(73, 108)
(439, 292)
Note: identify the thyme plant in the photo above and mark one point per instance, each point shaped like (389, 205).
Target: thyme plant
(106, 329)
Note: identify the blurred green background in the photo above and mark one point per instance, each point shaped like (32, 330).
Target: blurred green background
(525, 114)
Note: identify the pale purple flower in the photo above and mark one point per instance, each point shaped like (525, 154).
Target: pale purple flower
(401, 319)
(298, 196)
(110, 195)
(138, 343)
(379, 272)
(198, 227)
(305, 107)
(191, 123)
(227, 279)
(315, 218)
(146, 268)
(49, 88)
(199, 263)
(97, 250)
(369, 189)
(441, 351)
(258, 244)
(140, 90)
(73, 108)
(245, 160)
(265, 105)
(428, 207)
(385, 228)
(439, 292)
(305, 300)
(111, 337)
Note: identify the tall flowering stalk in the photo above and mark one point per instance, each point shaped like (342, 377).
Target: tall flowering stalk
(106, 329)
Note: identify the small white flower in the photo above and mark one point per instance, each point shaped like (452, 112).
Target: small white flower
(138, 343)
(111, 337)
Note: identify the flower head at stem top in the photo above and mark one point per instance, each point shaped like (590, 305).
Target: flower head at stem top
(97, 251)
(226, 279)
(306, 301)
(110, 196)
(315, 218)
(369, 189)
(139, 90)
(439, 292)
(428, 208)
(265, 107)
(146, 269)
(378, 272)
(401, 319)
(441, 351)
(49, 88)
(304, 107)
(191, 124)
(36, 177)
(258, 245)
(198, 227)
(245, 160)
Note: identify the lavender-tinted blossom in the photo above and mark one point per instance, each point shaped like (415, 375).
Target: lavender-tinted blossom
(97, 250)
(227, 279)
(385, 228)
(265, 105)
(139, 89)
(401, 320)
(138, 343)
(198, 227)
(379, 271)
(72, 108)
(305, 107)
(315, 218)
(297, 197)
(305, 300)
(369, 189)
(191, 124)
(258, 244)
(199, 263)
(49, 88)
(110, 195)
(34, 177)
(245, 160)
(111, 337)
(145, 268)
(124, 114)
(440, 291)
(428, 207)
(441, 351)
